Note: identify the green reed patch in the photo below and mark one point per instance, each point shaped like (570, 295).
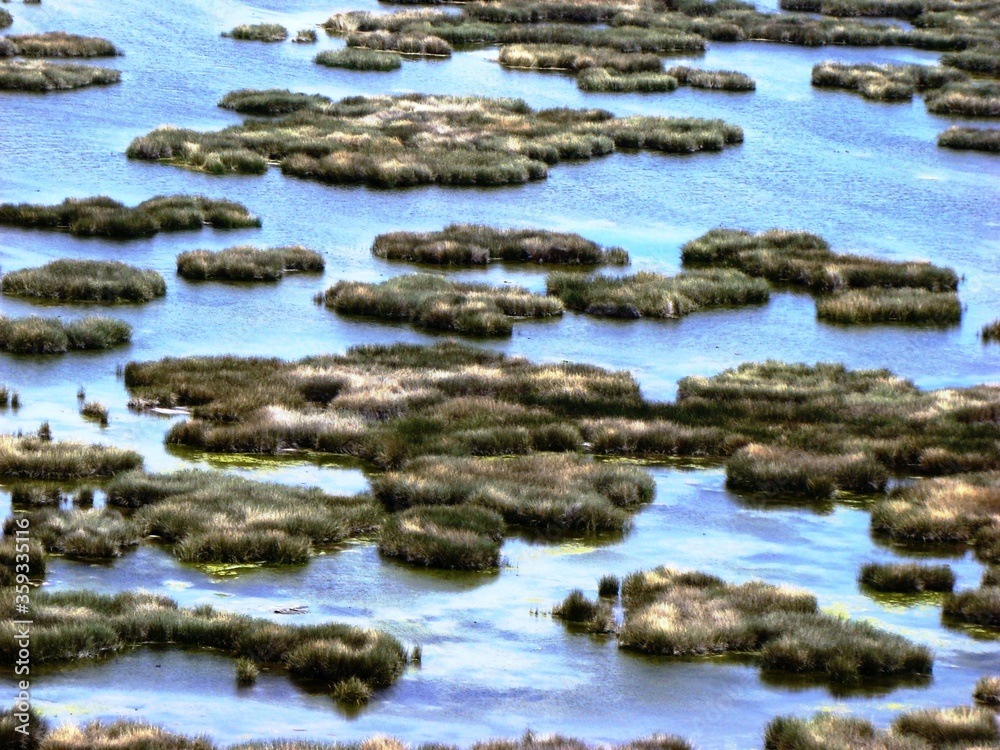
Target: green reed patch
(37, 75)
(36, 335)
(248, 263)
(102, 216)
(32, 457)
(652, 295)
(417, 139)
(352, 58)
(56, 44)
(440, 304)
(108, 281)
(759, 468)
(477, 244)
(463, 537)
(259, 32)
(906, 306)
(971, 139)
(906, 578)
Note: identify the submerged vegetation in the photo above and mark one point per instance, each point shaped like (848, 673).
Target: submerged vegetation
(440, 304)
(34, 457)
(56, 44)
(361, 140)
(102, 216)
(352, 58)
(36, 335)
(907, 578)
(247, 263)
(108, 281)
(476, 244)
(260, 32)
(972, 139)
(37, 75)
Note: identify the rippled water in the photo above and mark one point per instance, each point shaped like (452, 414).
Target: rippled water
(866, 176)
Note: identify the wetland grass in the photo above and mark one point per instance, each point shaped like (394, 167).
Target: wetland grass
(577, 58)
(248, 263)
(33, 457)
(360, 139)
(103, 217)
(440, 304)
(979, 606)
(11, 549)
(971, 139)
(6, 19)
(462, 537)
(990, 332)
(885, 82)
(652, 295)
(108, 281)
(95, 411)
(260, 32)
(477, 244)
(973, 99)
(906, 578)
(759, 468)
(56, 44)
(247, 671)
(351, 692)
(37, 75)
(904, 306)
(355, 58)
(37, 335)
(270, 102)
(987, 690)
(82, 534)
(603, 80)
(718, 80)
(306, 36)
(415, 44)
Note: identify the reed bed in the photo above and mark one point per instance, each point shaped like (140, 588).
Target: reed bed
(445, 140)
(9, 397)
(906, 306)
(259, 32)
(652, 295)
(577, 58)
(33, 457)
(974, 606)
(720, 80)
(306, 36)
(270, 102)
(463, 537)
(760, 468)
(987, 690)
(981, 59)
(38, 75)
(10, 549)
(82, 534)
(107, 281)
(81, 625)
(973, 99)
(440, 304)
(355, 58)
(56, 44)
(36, 335)
(416, 44)
(477, 244)
(990, 332)
(576, 608)
(885, 82)
(102, 216)
(6, 19)
(248, 263)
(907, 578)
(971, 139)
(602, 80)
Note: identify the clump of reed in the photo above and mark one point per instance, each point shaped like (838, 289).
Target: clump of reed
(416, 44)
(102, 216)
(987, 690)
(463, 537)
(56, 44)
(11, 548)
(694, 614)
(83, 534)
(33, 457)
(247, 671)
(437, 303)
(774, 470)
(248, 263)
(66, 280)
(22, 730)
(6, 19)
(971, 139)
(305, 36)
(608, 587)
(37, 75)
(96, 411)
(216, 518)
(979, 606)
(602, 80)
(806, 259)
(883, 82)
(9, 397)
(938, 726)
(653, 295)
(721, 80)
(972, 99)
(477, 244)
(259, 32)
(357, 58)
(351, 692)
(990, 332)
(270, 102)
(361, 139)
(577, 58)
(576, 608)
(981, 59)
(36, 335)
(906, 306)
(907, 578)
(82, 625)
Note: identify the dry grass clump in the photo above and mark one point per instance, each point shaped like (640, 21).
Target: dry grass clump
(477, 244)
(11, 548)
(56, 44)
(440, 304)
(38, 75)
(259, 32)
(248, 263)
(602, 80)
(102, 216)
(96, 411)
(577, 58)
(32, 457)
(417, 139)
(653, 295)
(760, 468)
(416, 44)
(907, 306)
(355, 58)
(971, 139)
(108, 281)
(884, 82)
(987, 690)
(83, 534)
(36, 335)
(463, 537)
(722, 80)
(306, 36)
(907, 578)
(973, 99)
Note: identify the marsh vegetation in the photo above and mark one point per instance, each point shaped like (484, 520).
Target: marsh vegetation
(248, 263)
(906, 578)
(259, 32)
(38, 457)
(108, 281)
(971, 139)
(56, 44)
(38, 75)
(351, 58)
(908, 306)
(37, 335)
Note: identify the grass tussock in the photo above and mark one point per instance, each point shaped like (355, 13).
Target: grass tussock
(12, 548)
(84, 534)
(463, 537)
(759, 468)
(576, 608)
(259, 32)
(987, 690)
(95, 411)
(653, 295)
(269, 102)
(417, 139)
(248, 263)
(81, 625)
(577, 58)
(905, 306)
(85, 281)
(37, 75)
(56, 44)
(972, 99)
(979, 606)
(36, 335)
(351, 692)
(354, 58)
(907, 578)
(32, 457)
(247, 671)
(971, 139)
(602, 80)
(104, 217)
(306, 36)
(416, 44)
(719, 80)
(937, 726)
(990, 332)
(476, 244)
(440, 304)
(884, 82)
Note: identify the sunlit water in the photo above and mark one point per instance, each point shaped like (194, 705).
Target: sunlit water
(866, 176)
